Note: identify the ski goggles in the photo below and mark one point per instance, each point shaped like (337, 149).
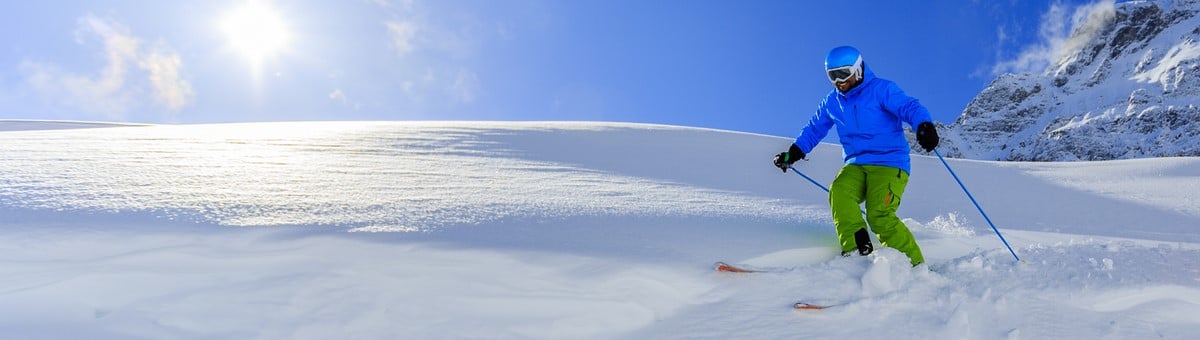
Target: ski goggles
(844, 73)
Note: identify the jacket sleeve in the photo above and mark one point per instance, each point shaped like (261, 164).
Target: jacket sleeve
(908, 109)
(818, 126)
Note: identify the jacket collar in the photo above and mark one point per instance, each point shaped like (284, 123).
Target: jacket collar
(868, 75)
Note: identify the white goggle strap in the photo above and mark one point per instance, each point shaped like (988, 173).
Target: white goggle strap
(855, 70)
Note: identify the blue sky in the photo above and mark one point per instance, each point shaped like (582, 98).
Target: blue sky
(752, 66)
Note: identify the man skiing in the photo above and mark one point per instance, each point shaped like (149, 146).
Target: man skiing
(868, 112)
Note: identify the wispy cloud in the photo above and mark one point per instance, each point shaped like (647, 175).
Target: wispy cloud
(117, 87)
(465, 86)
(170, 88)
(444, 45)
(338, 95)
(1062, 32)
(100, 93)
(402, 34)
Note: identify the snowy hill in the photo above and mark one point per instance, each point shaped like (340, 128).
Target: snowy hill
(562, 230)
(1127, 87)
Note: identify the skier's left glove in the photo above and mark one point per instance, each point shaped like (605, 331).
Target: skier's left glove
(927, 136)
(784, 160)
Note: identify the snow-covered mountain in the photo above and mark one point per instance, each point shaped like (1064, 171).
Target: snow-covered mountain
(1127, 86)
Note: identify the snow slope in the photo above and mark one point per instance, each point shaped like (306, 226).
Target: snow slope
(562, 230)
(23, 125)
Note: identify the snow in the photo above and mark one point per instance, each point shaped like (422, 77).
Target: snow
(1178, 54)
(562, 230)
(22, 125)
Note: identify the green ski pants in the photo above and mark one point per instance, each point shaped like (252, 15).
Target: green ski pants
(881, 187)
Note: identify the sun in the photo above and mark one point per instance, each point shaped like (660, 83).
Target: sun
(256, 31)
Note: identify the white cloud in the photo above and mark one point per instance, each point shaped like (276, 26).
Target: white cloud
(170, 88)
(402, 34)
(1060, 36)
(337, 95)
(99, 93)
(114, 91)
(446, 47)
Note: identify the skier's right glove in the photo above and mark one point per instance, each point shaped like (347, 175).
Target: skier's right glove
(784, 160)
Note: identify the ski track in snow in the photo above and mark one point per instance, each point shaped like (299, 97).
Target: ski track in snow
(561, 230)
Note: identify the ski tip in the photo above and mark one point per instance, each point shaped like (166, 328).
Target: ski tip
(728, 268)
(807, 306)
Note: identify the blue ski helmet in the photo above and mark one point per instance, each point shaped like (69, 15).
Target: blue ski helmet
(842, 63)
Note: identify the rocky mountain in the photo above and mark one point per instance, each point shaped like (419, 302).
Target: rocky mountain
(1131, 89)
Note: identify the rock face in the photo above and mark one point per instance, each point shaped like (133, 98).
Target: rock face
(1130, 89)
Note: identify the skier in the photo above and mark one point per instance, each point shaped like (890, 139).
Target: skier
(868, 112)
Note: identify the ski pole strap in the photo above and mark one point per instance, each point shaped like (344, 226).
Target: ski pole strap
(985, 216)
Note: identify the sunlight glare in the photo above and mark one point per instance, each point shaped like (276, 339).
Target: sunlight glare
(256, 31)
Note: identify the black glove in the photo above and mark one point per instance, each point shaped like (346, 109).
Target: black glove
(784, 160)
(927, 136)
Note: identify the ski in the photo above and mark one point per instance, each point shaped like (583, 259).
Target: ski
(809, 306)
(729, 268)
(723, 267)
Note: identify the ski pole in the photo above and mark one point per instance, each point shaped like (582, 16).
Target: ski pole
(814, 182)
(808, 178)
(985, 216)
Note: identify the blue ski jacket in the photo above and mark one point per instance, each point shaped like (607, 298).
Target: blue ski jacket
(868, 122)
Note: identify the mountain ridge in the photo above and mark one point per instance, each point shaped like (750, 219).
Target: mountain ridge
(1127, 89)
